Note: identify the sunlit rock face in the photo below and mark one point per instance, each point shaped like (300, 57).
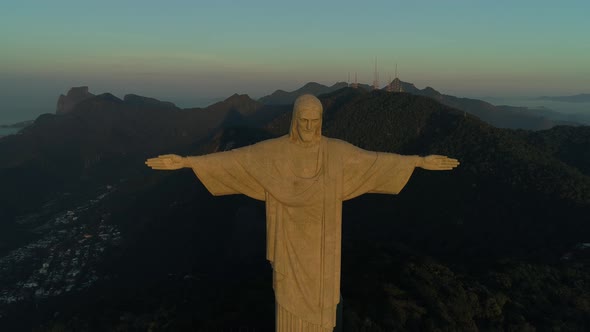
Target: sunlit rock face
(75, 95)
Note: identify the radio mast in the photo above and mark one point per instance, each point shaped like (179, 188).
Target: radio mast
(376, 77)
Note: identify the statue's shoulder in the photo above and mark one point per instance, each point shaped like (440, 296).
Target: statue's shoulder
(338, 144)
(347, 151)
(274, 141)
(273, 144)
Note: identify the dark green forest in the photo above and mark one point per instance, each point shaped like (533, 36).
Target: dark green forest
(499, 244)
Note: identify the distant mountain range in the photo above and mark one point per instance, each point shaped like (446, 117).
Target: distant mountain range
(502, 117)
(107, 129)
(579, 98)
(281, 97)
(92, 239)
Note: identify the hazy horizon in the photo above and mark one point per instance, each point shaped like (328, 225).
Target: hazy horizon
(25, 108)
(183, 51)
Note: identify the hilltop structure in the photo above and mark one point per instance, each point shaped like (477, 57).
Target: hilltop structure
(396, 84)
(355, 85)
(376, 77)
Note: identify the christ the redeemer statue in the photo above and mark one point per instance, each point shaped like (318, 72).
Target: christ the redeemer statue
(303, 177)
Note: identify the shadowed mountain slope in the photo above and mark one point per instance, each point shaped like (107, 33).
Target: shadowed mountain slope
(496, 244)
(104, 138)
(568, 144)
(497, 116)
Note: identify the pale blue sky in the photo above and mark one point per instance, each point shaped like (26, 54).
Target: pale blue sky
(186, 50)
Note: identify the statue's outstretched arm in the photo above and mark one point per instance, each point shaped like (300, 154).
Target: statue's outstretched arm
(167, 162)
(437, 163)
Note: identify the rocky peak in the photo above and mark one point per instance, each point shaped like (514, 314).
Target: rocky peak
(146, 102)
(237, 98)
(242, 103)
(430, 92)
(74, 96)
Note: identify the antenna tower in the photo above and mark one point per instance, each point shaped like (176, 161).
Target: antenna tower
(376, 76)
(389, 87)
(396, 84)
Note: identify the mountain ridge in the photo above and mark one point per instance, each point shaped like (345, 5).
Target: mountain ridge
(503, 117)
(481, 247)
(281, 97)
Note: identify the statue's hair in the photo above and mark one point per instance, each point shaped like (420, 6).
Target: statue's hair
(302, 102)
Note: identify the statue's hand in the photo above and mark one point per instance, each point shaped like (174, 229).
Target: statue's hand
(166, 162)
(438, 163)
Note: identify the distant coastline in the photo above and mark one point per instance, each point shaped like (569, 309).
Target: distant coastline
(11, 129)
(5, 131)
(552, 109)
(579, 98)
(18, 125)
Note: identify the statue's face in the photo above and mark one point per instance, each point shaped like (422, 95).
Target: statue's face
(309, 121)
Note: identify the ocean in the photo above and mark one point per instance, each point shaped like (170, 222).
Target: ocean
(8, 131)
(579, 112)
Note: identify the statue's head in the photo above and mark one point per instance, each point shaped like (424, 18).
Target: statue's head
(306, 124)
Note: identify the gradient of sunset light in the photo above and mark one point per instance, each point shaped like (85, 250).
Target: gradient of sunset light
(184, 51)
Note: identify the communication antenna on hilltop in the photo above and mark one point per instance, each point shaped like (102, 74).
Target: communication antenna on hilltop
(396, 84)
(355, 84)
(348, 81)
(376, 76)
(389, 87)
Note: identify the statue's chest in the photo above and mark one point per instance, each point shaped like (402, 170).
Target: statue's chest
(305, 167)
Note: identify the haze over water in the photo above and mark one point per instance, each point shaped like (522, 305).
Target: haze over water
(569, 111)
(8, 131)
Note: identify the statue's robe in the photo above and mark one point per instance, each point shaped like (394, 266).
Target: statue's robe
(303, 214)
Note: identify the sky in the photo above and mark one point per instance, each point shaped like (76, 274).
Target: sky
(190, 51)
